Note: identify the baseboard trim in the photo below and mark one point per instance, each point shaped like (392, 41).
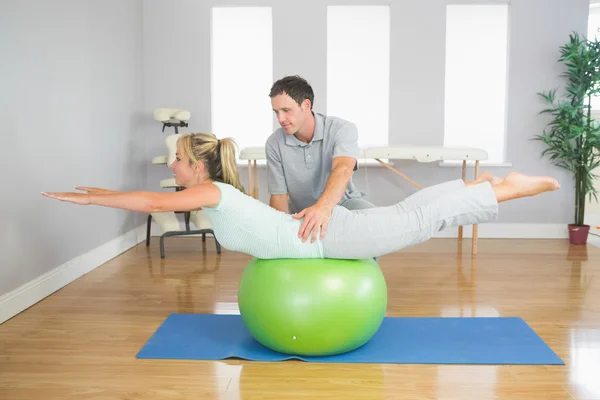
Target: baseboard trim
(593, 220)
(510, 231)
(20, 299)
(520, 231)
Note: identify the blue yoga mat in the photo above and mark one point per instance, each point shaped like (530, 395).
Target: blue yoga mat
(398, 341)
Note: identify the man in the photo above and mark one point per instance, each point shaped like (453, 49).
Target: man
(310, 159)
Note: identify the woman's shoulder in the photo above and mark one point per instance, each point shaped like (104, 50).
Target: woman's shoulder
(227, 187)
(229, 192)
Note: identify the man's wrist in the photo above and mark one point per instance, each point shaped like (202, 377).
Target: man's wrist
(324, 203)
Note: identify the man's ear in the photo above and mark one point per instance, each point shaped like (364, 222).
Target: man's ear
(306, 104)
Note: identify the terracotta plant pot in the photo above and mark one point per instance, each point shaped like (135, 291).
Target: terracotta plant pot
(578, 234)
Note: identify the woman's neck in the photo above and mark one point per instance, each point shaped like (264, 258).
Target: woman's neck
(199, 181)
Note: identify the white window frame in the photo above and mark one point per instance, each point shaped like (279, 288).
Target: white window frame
(381, 70)
(495, 163)
(595, 11)
(239, 102)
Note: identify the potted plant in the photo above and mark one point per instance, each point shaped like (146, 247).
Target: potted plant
(572, 137)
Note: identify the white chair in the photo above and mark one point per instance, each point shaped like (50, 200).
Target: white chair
(170, 226)
(167, 221)
(172, 117)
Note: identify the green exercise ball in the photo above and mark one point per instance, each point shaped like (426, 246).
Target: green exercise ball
(312, 307)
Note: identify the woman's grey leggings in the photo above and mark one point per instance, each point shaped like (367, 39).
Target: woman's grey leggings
(377, 231)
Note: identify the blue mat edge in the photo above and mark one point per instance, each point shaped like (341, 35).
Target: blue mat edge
(287, 357)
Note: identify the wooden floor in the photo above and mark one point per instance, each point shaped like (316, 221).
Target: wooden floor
(80, 343)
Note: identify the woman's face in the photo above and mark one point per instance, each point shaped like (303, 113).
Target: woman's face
(185, 174)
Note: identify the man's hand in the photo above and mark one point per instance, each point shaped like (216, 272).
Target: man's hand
(319, 215)
(315, 217)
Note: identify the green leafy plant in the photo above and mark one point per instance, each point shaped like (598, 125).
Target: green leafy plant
(573, 136)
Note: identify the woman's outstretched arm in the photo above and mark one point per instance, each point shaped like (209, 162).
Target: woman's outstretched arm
(192, 198)
(89, 189)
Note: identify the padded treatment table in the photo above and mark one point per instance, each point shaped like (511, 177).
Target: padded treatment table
(415, 153)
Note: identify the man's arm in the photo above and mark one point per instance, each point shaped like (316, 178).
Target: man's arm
(279, 202)
(342, 169)
(345, 161)
(276, 182)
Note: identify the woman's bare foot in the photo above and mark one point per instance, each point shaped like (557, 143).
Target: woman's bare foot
(496, 180)
(516, 185)
(486, 176)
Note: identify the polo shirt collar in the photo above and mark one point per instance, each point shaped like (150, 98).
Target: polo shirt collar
(292, 140)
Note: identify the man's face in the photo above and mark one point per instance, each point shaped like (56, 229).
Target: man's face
(290, 115)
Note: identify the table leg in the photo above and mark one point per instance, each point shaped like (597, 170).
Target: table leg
(255, 191)
(464, 178)
(475, 226)
(249, 190)
(394, 170)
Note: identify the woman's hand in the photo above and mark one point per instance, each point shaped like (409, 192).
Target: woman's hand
(76, 198)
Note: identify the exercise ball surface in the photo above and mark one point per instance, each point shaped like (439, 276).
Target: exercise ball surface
(312, 307)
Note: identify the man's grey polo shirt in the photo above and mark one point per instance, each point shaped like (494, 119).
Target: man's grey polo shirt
(302, 169)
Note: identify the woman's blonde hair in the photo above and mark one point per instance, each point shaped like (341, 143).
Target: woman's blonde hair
(218, 155)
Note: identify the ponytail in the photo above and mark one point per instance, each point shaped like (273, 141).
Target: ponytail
(218, 156)
(226, 148)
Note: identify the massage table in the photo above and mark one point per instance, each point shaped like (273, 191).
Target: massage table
(415, 153)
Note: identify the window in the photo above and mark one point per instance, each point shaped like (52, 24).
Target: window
(594, 22)
(585, 358)
(358, 60)
(592, 34)
(242, 73)
(476, 78)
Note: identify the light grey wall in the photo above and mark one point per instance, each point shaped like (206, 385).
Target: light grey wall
(177, 58)
(80, 79)
(70, 112)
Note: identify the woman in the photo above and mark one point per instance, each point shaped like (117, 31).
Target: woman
(206, 167)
